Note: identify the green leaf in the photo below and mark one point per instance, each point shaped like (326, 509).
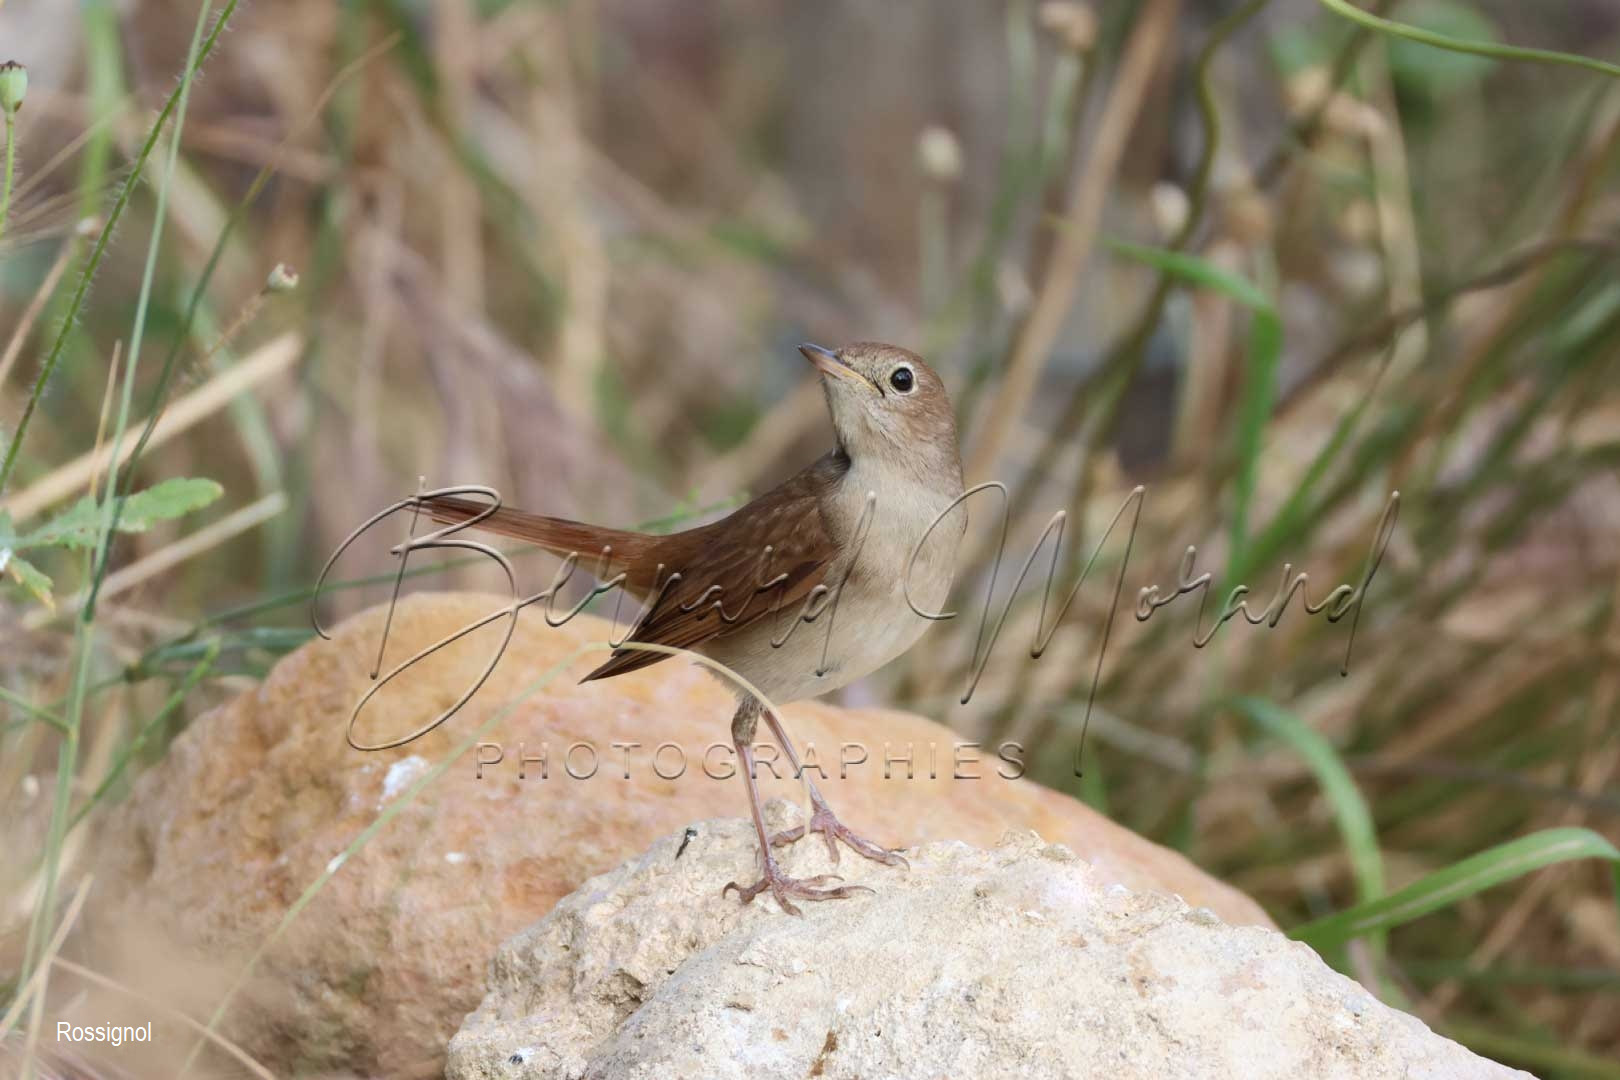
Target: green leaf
(169, 499)
(79, 525)
(1435, 72)
(74, 527)
(1459, 881)
(1307, 44)
(28, 576)
(1199, 271)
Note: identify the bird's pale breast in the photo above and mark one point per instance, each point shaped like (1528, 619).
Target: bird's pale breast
(865, 619)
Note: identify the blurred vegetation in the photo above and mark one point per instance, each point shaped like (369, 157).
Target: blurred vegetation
(1272, 263)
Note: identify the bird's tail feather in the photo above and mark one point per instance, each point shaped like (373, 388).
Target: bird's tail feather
(556, 535)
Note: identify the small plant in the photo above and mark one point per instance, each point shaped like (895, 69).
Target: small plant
(77, 527)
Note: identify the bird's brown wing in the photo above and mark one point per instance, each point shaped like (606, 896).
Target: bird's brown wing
(761, 563)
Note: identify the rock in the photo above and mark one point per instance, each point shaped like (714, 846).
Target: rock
(1022, 961)
(257, 800)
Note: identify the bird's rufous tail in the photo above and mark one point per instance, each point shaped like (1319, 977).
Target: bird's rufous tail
(556, 535)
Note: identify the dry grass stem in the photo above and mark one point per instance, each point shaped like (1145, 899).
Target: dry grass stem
(271, 359)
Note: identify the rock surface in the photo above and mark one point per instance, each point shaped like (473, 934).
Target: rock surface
(260, 799)
(1015, 962)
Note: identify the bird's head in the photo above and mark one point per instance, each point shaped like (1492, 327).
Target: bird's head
(888, 406)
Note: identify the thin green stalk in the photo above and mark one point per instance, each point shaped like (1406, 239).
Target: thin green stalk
(32, 711)
(114, 504)
(133, 747)
(11, 158)
(1474, 48)
(104, 72)
(252, 420)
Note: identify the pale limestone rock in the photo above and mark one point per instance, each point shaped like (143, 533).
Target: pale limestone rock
(1021, 961)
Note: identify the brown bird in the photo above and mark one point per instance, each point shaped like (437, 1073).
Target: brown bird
(814, 584)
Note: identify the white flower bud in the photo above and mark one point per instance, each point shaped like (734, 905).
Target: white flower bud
(1074, 24)
(282, 279)
(1170, 209)
(939, 155)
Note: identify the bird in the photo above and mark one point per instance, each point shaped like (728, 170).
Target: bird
(818, 582)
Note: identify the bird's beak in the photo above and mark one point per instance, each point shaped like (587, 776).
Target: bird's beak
(828, 363)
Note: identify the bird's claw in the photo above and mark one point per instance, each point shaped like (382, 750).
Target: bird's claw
(824, 821)
(781, 886)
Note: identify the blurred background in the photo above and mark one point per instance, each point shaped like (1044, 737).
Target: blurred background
(1269, 263)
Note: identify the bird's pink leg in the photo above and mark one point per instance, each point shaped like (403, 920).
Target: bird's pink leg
(822, 819)
(780, 885)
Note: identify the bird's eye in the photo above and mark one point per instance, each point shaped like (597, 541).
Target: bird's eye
(902, 379)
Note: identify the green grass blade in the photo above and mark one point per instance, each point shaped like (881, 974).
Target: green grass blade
(104, 72)
(114, 505)
(1472, 875)
(1548, 1058)
(11, 160)
(127, 752)
(1350, 810)
(1473, 48)
(30, 710)
(1197, 271)
(1297, 514)
(1254, 410)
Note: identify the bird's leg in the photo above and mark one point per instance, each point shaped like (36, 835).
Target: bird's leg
(822, 819)
(780, 885)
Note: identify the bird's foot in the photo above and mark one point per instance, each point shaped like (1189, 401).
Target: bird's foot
(825, 822)
(781, 886)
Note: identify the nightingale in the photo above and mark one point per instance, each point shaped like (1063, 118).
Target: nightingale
(806, 588)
